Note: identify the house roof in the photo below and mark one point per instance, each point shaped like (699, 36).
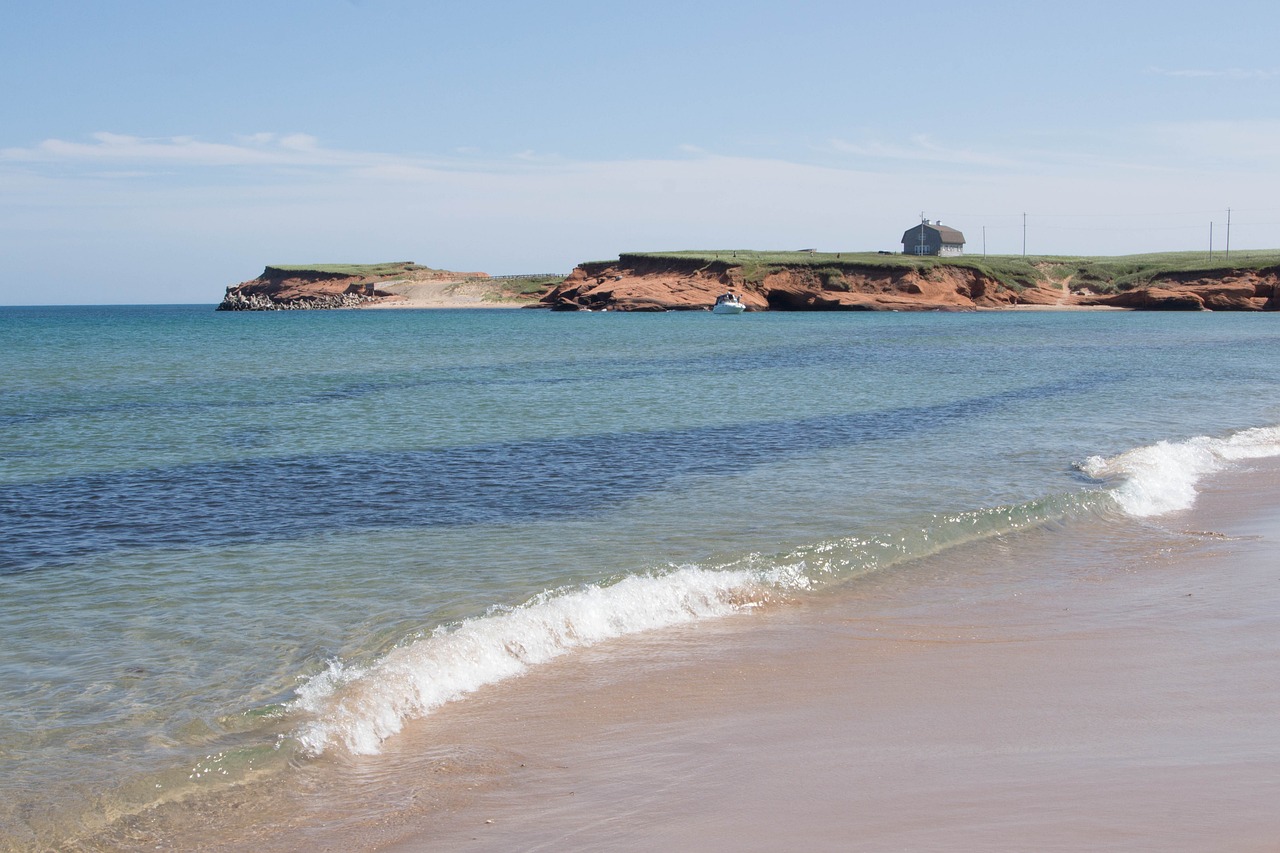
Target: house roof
(945, 234)
(948, 235)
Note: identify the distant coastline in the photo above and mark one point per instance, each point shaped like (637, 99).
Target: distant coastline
(400, 284)
(791, 281)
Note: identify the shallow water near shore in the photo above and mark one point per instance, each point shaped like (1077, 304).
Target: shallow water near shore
(1113, 689)
(249, 557)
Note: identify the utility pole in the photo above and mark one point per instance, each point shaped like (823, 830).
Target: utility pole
(984, 241)
(1210, 239)
(1227, 256)
(1024, 235)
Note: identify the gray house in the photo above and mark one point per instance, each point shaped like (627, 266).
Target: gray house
(932, 239)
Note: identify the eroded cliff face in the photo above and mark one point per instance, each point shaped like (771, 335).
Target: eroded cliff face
(874, 289)
(294, 289)
(1235, 290)
(641, 286)
(641, 283)
(646, 284)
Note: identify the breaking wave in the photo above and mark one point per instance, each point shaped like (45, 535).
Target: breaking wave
(357, 707)
(360, 707)
(1163, 477)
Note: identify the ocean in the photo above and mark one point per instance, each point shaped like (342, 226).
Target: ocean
(241, 551)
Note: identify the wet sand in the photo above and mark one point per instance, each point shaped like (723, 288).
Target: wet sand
(1098, 685)
(1112, 688)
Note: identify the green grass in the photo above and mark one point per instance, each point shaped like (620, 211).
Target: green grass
(520, 288)
(389, 268)
(1102, 273)
(832, 266)
(528, 285)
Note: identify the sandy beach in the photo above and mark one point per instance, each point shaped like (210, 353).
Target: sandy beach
(464, 293)
(977, 615)
(1119, 696)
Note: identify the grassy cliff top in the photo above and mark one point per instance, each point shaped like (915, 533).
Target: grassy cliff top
(1102, 273)
(389, 268)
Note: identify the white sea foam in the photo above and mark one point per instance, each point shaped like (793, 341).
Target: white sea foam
(360, 707)
(1163, 477)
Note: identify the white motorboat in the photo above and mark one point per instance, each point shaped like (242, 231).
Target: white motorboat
(728, 303)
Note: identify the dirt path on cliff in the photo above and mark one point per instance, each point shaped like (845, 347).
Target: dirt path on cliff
(1065, 298)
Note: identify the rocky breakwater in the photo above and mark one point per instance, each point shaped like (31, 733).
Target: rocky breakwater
(327, 286)
(642, 282)
(240, 301)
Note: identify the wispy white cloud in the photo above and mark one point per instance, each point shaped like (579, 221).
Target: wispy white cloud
(107, 154)
(259, 149)
(922, 148)
(242, 202)
(1217, 73)
(1157, 147)
(118, 148)
(1215, 145)
(1172, 148)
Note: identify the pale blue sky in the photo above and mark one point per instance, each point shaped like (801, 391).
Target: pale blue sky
(157, 152)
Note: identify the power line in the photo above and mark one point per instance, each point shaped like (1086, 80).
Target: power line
(1122, 215)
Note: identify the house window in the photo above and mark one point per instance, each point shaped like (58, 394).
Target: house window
(922, 250)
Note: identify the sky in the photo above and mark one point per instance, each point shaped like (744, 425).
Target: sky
(157, 152)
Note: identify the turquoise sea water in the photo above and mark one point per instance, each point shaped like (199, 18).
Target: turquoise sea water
(235, 543)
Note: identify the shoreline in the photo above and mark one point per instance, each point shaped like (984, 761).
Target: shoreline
(1033, 307)
(799, 281)
(1006, 697)
(461, 294)
(472, 294)
(1117, 693)
(358, 588)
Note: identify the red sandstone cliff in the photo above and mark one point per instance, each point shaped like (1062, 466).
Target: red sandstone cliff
(638, 283)
(1231, 290)
(294, 288)
(647, 283)
(665, 283)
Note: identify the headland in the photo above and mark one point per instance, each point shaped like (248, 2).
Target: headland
(399, 284)
(792, 281)
(870, 281)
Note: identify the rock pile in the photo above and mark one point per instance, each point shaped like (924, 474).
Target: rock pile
(237, 300)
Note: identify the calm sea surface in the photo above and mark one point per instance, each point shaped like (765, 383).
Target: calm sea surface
(232, 544)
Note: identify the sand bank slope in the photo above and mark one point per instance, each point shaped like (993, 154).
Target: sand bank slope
(1118, 695)
(389, 285)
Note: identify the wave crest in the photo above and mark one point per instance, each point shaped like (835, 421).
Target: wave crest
(1163, 477)
(360, 707)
